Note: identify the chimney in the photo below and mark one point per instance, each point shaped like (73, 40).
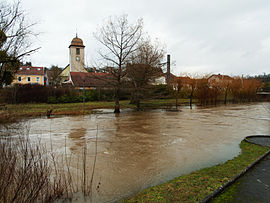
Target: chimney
(168, 67)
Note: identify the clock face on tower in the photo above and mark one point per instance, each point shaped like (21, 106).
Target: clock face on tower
(77, 58)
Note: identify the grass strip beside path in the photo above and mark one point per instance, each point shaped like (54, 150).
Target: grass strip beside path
(198, 184)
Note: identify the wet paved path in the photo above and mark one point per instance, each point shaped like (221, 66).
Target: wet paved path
(254, 186)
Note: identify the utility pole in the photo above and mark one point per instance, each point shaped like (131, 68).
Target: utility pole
(168, 64)
(168, 67)
(83, 96)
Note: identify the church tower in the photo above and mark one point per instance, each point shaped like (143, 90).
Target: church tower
(76, 55)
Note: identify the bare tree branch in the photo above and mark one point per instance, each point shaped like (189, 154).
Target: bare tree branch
(145, 64)
(15, 41)
(120, 39)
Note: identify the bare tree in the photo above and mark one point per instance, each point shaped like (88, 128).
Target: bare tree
(226, 88)
(215, 92)
(244, 90)
(53, 75)
(203, 91)
(145, 64)
(120, 40)
(193, 85)
(189, 86)
(15, 39)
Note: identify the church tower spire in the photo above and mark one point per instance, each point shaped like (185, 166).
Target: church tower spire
(76, 55)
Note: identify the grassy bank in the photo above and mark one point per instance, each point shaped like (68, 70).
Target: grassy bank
(40, 109)
(197, 185)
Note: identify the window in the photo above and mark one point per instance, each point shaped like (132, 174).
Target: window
(29, 79)
(38, 69)
(38, 79)
(27, 68)
(20, 68)
(19, 79)
(77, 51)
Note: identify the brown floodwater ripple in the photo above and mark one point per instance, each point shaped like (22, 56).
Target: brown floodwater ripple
(137, 150)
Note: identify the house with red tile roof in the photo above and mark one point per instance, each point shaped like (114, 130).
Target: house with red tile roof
(175, 81)
(219, 78)
(30, 75)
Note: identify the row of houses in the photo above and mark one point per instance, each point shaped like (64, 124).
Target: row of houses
(92, 80)
(75, 74)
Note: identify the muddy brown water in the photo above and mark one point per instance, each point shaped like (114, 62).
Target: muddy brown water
(137, 150)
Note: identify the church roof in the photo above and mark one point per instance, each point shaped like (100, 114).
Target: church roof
(92, 80)
(77, 42)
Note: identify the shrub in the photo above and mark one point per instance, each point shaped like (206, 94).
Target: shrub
(46, 94)
(91, 95)
(52, 100)
(161, 92)
(26, 174)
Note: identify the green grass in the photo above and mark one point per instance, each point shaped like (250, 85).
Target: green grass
(197, 185)
(36, 109)
(229, 193)
(65, 108)
(17, 111)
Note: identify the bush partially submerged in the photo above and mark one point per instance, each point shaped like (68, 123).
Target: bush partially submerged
(26, 174)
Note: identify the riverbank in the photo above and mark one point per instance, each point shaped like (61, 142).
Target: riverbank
(15, 111)
(197, 185)
(253, 186)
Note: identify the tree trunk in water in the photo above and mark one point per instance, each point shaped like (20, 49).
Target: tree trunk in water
(132, 98)
(137, 99)
(99, 94)
(190, 100)
(176, 101)
(138, 104)
(225, 98)
(117, 105)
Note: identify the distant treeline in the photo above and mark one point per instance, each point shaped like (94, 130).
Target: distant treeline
(265, 78)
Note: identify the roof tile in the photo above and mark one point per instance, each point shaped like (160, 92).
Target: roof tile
(29, 70)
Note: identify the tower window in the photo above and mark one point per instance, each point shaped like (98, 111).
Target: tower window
(29, 79)
(77, 51)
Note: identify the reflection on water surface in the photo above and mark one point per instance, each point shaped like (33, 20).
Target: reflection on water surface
(140, 149)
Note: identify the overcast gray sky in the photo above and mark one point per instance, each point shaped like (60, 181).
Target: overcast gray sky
(205, 36)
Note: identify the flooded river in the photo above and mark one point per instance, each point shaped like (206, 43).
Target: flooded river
(136, 150)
